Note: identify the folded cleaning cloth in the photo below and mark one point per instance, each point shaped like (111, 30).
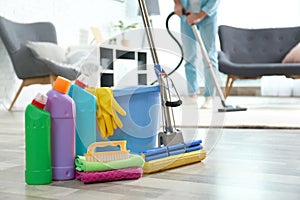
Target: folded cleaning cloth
(132, 161)
(113, 175)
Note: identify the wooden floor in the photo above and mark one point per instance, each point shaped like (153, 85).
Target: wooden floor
(244, 164)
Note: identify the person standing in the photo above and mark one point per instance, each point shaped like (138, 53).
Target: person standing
(202, 13)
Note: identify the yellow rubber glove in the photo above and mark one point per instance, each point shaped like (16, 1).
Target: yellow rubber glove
(100, 118)
(108, 107)
(106, 125)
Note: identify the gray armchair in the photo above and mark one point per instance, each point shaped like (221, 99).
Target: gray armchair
(28, 66)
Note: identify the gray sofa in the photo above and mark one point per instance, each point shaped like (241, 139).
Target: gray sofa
(253, 53)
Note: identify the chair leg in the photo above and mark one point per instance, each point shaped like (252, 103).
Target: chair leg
(17, 95)
(226, 87)
(52, 78)
(30, 81)
(229, 84)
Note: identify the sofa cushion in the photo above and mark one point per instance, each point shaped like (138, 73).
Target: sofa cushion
(293, 56)
(48, 50)
(256, 69)
(52, 54)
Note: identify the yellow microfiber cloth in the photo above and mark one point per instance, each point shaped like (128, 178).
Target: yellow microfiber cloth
(107, 109)
(132, 161)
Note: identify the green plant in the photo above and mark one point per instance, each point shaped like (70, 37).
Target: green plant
(122, 27)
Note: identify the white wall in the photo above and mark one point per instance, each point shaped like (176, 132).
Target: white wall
(68, 16)
(260, 13)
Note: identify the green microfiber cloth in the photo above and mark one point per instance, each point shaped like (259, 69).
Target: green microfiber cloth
(86, 166)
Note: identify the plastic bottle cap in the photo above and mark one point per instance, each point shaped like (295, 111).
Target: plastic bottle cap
(81, 81)
(40, 100)
(62, 84)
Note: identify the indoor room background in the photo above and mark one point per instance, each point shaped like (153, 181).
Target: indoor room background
(73, 19)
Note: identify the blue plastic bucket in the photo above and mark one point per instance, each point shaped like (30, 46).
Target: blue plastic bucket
(142, 121)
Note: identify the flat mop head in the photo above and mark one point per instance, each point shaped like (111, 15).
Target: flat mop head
(163, 158)
(174, 161)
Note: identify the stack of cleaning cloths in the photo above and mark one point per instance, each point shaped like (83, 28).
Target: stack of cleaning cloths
(108, 165)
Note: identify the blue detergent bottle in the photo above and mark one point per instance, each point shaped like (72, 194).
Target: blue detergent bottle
(85, 114)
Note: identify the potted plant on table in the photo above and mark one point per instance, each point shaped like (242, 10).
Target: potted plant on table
(123, 28)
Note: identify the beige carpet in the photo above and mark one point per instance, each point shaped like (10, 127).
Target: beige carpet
(262, 112)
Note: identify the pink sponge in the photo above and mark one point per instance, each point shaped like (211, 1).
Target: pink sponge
(113, 175)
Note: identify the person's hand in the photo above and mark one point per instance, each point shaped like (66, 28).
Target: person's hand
(193, 18)
(178, 9)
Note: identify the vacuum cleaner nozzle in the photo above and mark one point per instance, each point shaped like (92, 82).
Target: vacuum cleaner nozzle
(231, 109)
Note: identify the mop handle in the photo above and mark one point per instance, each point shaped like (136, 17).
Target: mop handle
(144, 12)
(158, 69)
(147, 25)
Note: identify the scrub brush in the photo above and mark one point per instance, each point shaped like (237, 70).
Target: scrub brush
(107, 156)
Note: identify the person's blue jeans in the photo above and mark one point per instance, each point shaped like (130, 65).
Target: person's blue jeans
(193, 56)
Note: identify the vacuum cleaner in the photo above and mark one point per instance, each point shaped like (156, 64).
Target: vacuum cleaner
(172, 151)
(226, 108)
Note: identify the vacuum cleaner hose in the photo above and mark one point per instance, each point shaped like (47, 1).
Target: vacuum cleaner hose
(177, 42)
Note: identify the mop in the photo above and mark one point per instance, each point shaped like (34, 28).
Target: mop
(172, 151)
